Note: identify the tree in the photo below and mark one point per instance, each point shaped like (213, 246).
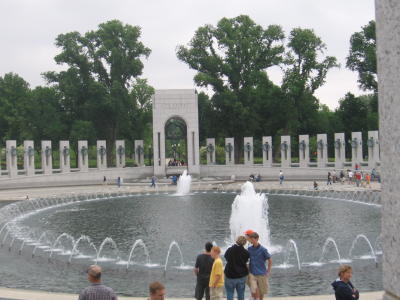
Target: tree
(353, 114)
(102, 68)
(362, 57)
(304, 74)
(231, 59)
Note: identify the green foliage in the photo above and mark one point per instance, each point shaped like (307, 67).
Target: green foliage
(362, 57)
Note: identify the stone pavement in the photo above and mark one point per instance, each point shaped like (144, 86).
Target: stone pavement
(35, 295)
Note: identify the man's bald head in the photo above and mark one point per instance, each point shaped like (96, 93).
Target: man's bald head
(94, 273)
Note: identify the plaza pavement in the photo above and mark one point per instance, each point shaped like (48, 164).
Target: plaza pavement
(21, 194)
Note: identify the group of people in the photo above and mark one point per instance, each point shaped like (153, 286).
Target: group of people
(176, 163)
(252, 266)
(357, 177)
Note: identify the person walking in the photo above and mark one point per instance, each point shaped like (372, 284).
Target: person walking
(259, 273)
(96, 291)
(236, 270)
(156, 291)
(281, 177)
(344, 289)
(202, 270)
(217, 275)
(153, 181)
(329, 181)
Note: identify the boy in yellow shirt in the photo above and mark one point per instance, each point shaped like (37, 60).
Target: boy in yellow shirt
(217, 275)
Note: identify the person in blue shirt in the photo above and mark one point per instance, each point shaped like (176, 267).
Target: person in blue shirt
(259, 273)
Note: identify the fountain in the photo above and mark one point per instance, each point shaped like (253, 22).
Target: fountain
(173, 244)
(183, 186)
(328, 241)
(138, 242)
(250, 211)
(291, 244)
(362, 236)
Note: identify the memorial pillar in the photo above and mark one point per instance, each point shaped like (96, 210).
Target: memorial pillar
(373, 148)
(120, 153)
(267, 150)
(139, 153)
(286, 154)
(322, 150)
(304, 150)
(340, 150)
(229, 151)
(101, 155)
(210, 151)
(47, 157)
(11, 158)
(65, 157)
(356, 149)
(83, 157)
(29, 158)
(248, 151)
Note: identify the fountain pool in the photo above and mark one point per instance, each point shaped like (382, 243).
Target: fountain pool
(140, 238)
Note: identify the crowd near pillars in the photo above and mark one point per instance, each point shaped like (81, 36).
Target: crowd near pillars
(83, 157)
(11, 158)
(373, 148)
(182, 104)
(304, 150)
(47, 157)
(388, 41)
(65, 157)
(139, 153)
(210, 151)
(229, 151)
(356, 148)
(286, 154)
(340, 150)
(248, 150)
(322, 150)
(29, 158)
(101, 155)
(120, 153)
(267, 151)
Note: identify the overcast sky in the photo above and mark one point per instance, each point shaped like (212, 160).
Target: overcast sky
(29, 28)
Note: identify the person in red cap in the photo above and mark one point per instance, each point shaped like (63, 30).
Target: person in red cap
(258, 276)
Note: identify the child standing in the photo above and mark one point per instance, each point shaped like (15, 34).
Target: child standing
(217, 275)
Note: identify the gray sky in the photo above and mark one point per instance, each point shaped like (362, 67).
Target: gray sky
(29, 28)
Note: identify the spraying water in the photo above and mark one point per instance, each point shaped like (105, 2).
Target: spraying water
(250, 211)
(183, 186)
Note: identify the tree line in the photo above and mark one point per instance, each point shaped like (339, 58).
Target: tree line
(100, 93)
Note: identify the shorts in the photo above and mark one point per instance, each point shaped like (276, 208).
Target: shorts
(258, 281)
(217, 293)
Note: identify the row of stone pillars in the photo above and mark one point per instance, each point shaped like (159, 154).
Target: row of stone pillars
(65, 158)
(304, 150)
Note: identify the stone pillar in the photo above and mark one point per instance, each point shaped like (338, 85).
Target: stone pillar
(322, 150)
(286, 154)
(11, 158)
(388, 40)
(267, 150)
(373, 148)
(139, 153)
(65, 157)
(210, 151)
(47, 157)
(356, 148)
(120, 153)
(304, 150)
(83, 157)
(29, 158)
(101, 154)
(229, 151)
(248, 151)
(340, 150)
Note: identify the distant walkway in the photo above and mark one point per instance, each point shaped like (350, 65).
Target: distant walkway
(13, 294)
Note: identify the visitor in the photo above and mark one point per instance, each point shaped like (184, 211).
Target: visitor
(156, 291)
(315, 186)
(258, 178)
(342, 176)
(104, 180)
(119, 181)
(281, 177)
(344, 289)
(153, 181)
(251, 177)
(351, 175)
(358, 178)
(217, 275)
(258, 276)
(202, 270)
(334, 177)
(27, 197)
(357, 166)
(174, 179)
(329, 182)
(96, 291)
(368, 180)
(236, 270)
